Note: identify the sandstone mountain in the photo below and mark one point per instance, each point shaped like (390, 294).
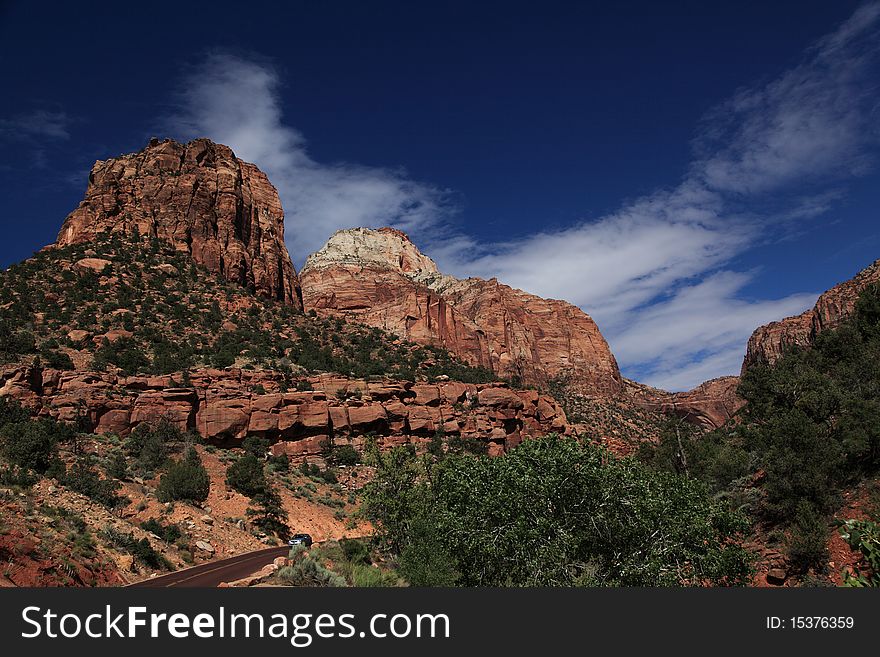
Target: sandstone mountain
(768, 343)
(223, 212)
(380, 278)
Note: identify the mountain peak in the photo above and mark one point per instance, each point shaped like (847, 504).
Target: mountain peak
(381, 248)
(200, 197)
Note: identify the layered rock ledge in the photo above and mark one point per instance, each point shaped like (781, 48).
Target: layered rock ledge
(225, 406)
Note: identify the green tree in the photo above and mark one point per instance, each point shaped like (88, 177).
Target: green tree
(186, 479)
(553, 512)
(246, 476)
(117, 466)
(32, 444)
(268, 513)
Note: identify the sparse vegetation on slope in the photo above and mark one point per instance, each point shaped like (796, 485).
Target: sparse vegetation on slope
(150, 309)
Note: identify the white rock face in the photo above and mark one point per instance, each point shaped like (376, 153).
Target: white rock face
(385, 248)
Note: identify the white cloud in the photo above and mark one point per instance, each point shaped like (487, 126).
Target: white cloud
(235, 101)
(657, 274)
(699, 328)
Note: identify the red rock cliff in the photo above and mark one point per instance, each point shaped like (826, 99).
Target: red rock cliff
(380, 278)
(768, 342)
(203, 199)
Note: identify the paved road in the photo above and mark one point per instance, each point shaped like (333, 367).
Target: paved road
(211, 574)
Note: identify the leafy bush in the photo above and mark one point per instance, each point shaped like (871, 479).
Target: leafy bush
(553, 512)
(864, 536)
(186, 479)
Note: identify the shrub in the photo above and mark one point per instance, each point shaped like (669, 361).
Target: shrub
(552, 512)
(864, 536)
(256, 446)
(186, 480)
(306, 571)
(84, 479)
(807, 541)
(141, 549)
(268, 514)
(355, 550)
(345, 455)
(280, 463)
(32, 444)
(13, 475)
(246, 476)
(149, 444)
(118, 466)
(57, 360)
(123, 353)
(168, 533)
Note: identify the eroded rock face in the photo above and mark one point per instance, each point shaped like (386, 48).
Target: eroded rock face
(201, 198)
(768, 343)
(710, 405)
(380, 278)
(222, 407)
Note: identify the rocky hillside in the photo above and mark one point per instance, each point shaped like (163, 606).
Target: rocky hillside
(120, 332)
(768, 343)
(199, 197)
(380, 278)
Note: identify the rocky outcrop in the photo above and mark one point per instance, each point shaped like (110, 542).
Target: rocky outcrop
(768, 343)
(201, 198)
(710, 405)
(225, 407)
(380, 278)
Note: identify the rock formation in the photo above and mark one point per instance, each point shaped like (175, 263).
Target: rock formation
(380, 278)
(710, 405)
(222, 406)
(768, 343)
(201, 198)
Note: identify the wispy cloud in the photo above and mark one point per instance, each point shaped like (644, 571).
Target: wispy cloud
(34, 132)
(235, 101)
(813, 122)
(40, 124)
(657, 274)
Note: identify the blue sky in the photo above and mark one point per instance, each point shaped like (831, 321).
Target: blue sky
(682, 171)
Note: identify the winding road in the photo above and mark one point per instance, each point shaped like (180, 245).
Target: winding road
(211, 574)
